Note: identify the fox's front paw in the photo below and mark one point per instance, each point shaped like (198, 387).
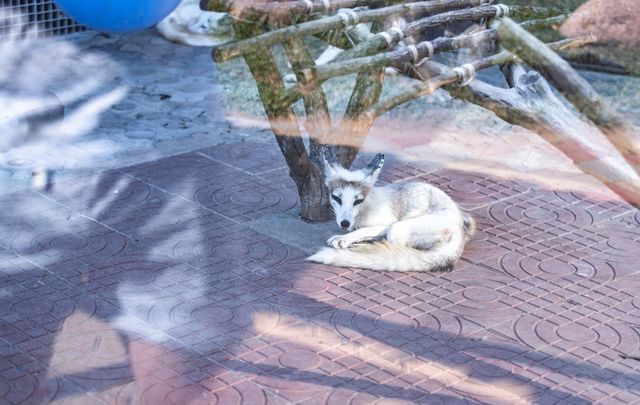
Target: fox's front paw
(339, 242)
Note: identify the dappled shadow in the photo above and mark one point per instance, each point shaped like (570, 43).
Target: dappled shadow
(150, 284)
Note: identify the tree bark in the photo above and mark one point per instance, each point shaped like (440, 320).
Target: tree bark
(355, 126)
(307, 175)
(318, 126)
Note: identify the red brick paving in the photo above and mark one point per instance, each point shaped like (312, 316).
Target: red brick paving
(147, 286)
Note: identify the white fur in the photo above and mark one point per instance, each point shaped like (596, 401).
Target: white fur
(337, 172)
(405, 226)
(190, 25)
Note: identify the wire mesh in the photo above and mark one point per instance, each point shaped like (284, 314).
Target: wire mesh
(44, 14)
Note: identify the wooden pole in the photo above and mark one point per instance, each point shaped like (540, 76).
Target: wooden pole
(238, 48)
(451, 76)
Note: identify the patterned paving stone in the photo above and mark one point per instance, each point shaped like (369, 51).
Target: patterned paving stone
(250, 157)
(473, 191)
(144, 285)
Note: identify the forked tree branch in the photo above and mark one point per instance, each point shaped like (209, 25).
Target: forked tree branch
(572, 86)
(532, 104)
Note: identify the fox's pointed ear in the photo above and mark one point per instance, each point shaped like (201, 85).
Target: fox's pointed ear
(373, 169)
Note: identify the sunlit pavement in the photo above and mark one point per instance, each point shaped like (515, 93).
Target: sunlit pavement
(163, 282)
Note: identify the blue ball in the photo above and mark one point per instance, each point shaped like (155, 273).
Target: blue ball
(117, 15)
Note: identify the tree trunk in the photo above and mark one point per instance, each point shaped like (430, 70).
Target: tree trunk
(306, 174)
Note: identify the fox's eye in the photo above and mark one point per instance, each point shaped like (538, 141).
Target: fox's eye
(358, 201)
(336, 199)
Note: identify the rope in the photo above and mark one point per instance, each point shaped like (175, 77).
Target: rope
(398, 31)
(349, 17)
(466, 73)
(429, 53)
(414, 53)
(502, 10)
(387, 37)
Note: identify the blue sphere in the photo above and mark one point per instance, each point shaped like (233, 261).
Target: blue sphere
(117, 15)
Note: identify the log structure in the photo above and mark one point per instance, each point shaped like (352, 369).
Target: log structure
(380, 34)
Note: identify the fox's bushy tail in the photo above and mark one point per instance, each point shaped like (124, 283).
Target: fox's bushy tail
(468, 225)
(382, 255)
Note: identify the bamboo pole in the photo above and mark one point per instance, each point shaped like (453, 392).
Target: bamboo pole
(321, 73)
(451, 76)
(238, 48)
(250, 8)
(380, 42)
(316, 75)
(544, 22)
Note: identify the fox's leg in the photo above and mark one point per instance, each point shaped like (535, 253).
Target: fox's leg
(425, 231)
(359, 235)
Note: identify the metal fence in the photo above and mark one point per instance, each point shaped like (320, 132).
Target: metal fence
(41, 13)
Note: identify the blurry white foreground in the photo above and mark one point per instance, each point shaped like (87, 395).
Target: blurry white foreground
(51, 94)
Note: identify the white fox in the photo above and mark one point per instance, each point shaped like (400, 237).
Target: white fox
(404, 226)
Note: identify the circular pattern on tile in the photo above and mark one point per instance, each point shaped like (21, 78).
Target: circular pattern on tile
(394, 321)
(68, 242)
(481, 294)
(231, 250)
(192, 395)
(472, 190)
(623, 244)
(481, 298)
(307, 284)
(221, 325)
(137, 273)
(537, 333)
(493, 366)
(463, 186)
(636, 303)
(539, 214)
(557, 267)
(576, 333)
(34, 306)
(619, 246)
(213, 314)
(441, 326)
(207, 248)
(535, 208)
(523, 267)
(247, 197)
(300, 360)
